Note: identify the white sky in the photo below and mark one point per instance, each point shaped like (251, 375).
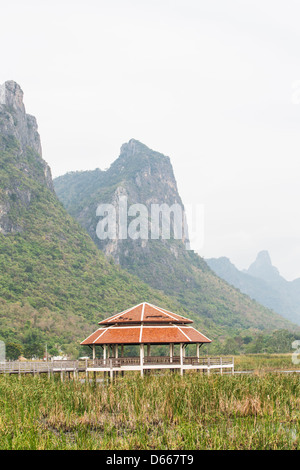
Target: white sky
(214, 84)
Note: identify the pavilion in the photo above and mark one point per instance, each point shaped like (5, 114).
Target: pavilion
(146, 325)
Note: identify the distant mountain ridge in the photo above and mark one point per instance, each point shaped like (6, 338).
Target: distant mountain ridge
(262, 282)
(146, 177)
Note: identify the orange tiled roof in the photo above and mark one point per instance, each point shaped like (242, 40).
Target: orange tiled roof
(145, 323)
(146, 313)
(146, 334)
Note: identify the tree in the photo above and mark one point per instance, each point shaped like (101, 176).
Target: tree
(33, 344)
(13, 351)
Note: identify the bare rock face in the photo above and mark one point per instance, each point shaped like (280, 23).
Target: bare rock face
(15, 121)
(20, 157)
(145, 179)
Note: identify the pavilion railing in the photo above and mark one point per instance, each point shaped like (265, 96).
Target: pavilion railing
(163, 360)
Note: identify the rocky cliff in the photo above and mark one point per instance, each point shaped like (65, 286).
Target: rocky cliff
(138, 176)
(21, 157)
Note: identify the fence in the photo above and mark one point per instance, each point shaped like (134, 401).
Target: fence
(35, 367)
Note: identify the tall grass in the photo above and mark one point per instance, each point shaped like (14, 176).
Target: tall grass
(157, 412)
(265, 362)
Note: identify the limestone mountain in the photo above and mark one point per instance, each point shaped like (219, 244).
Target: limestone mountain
(20, 163)
(262, 268)
(145, 177)
(55, 284)
(262, 282)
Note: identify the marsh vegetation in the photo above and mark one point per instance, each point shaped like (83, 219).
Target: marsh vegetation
(196, 411)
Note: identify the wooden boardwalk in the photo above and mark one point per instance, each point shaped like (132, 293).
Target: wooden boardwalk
(120, 364)
(148, 363)
(42, 367)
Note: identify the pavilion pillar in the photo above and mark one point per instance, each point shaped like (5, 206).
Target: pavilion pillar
(142, 359)
(198, 355)
(104, 353)
(181, 358)
(171, 352)
(94, 352)
(122, 355)
(148, 350)
(116, 351)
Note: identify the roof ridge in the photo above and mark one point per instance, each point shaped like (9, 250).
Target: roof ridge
(167, 312)
(143, 310)
(183, 333)
(117, 315)
(185, 326)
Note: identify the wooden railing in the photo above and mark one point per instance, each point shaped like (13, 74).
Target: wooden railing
(14, 367)
(37, 367)
(162, 360)
(209, 361)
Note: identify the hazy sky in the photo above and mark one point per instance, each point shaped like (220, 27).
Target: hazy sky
(214, 84)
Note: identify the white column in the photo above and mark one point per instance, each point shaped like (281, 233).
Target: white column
(181, 358)
(198, 350)
(94, 352)
(142, 359)
(116, 351)
(171, 352)
(104, 352)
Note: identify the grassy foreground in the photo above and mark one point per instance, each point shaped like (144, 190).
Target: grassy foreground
(265, 362)
(157, 412)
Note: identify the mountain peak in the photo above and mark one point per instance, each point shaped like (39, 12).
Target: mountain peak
(263, 268)
(23, 171)
(134, 147)
(15, 123)
(263, 257)
(11, 94)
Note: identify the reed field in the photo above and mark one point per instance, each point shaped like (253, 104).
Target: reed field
(162, 411)
(265, 362)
